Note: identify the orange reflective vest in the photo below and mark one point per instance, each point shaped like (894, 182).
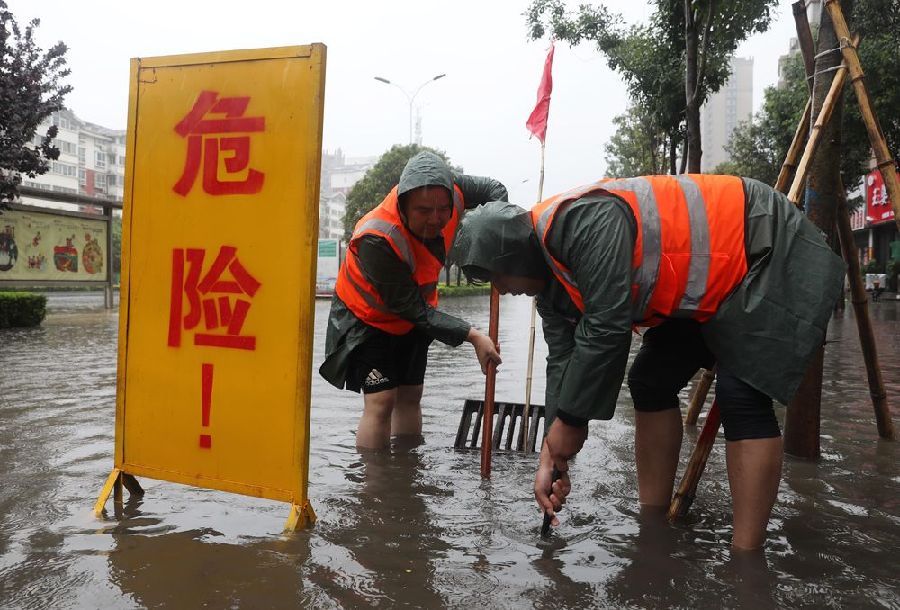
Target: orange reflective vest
(689, 252)
(384, 221)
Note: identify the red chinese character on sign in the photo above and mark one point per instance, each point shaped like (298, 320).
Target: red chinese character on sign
(205, 141)
(221, 304)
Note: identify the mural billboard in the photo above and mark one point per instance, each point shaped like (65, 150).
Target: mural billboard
(48, 247)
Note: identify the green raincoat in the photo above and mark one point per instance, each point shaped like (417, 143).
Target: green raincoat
(765, 332)
(393, 278)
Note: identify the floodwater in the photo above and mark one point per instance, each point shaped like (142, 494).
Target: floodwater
(420, 528)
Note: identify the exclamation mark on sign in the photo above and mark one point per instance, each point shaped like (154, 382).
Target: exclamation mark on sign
(206, 397)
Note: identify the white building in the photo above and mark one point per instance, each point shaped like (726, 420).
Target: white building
(339, 174)
(91, 159)
(331, 215)
(724, 110)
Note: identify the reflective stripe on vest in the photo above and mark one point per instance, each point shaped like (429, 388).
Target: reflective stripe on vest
(685, 262)
(395, 235)
(698, 273)
(385, 221)
(651, 238)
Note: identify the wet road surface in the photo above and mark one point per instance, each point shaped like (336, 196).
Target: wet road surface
(419, 528)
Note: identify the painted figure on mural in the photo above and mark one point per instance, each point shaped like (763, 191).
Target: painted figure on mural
(9, 252)
(92, 255)
(66, 257)
(723, 270)
(384, 313)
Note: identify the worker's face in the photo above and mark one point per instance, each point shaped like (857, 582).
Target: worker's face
(517, 284)
(428, 210)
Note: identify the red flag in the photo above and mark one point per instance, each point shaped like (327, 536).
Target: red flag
(537, 122)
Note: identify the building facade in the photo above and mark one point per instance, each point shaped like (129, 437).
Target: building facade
(724, 110)
(339, 174)
(874, 226)
(91, 159)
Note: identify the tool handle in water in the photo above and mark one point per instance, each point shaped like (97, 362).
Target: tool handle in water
(548, 518)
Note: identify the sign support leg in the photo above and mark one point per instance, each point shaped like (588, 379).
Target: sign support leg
(114, 483)
(300, 517)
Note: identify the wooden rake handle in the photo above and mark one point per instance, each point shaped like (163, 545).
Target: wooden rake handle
(487, 418)
(683, 498)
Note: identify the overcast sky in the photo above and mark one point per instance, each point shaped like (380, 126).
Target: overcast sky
(476, 114)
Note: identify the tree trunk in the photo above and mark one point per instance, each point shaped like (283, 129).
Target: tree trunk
(823, 191)
(691, 97)
(673, 149)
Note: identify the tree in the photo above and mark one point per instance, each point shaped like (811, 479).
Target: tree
(878, 23)
(115, 257)
(639, 147)
(758, 147)
(686, 41)
(642, 54)
(31, 89)
(378, 182)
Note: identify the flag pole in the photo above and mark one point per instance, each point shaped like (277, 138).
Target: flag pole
(537, 125)
(526, 420)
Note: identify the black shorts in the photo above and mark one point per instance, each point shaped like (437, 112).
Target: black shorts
(385, 361)
(670, 356)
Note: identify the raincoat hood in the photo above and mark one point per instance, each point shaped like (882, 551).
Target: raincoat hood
(498, 237)
(425, 169)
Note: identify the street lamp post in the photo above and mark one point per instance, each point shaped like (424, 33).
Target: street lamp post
(410, 98)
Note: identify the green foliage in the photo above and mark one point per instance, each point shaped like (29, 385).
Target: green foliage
(31, 89)
(892, 269)
(378, 182)
(640, 146)
(22, 309)
(878, 23)
(873, 266)
(463, 290)
(759, 147)
(116, 254)
(654, 58)
(643, 55)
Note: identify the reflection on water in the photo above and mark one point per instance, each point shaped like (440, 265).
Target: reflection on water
(419, 527)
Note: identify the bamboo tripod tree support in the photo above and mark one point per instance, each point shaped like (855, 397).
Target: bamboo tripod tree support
(687, 488)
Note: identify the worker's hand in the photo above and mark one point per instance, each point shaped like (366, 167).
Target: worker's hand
(485, 349)
(560, 445)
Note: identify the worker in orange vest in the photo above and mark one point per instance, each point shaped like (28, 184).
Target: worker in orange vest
(384, 312)
(722, 269)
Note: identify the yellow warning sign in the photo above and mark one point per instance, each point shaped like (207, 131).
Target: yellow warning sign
(219, 236)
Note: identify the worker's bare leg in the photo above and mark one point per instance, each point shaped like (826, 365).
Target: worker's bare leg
(406, 420)
(754, 471)
(374, 430)
(657, 443)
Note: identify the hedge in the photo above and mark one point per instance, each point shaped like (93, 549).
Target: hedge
(22, 309)
(463, 290)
